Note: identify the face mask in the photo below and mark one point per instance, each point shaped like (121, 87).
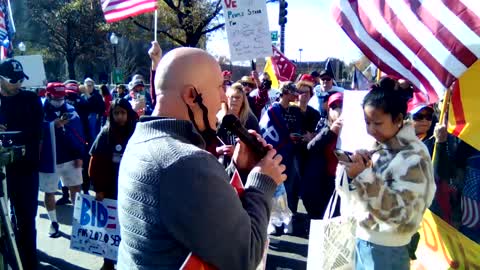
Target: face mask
(209, 134)
(57, 103)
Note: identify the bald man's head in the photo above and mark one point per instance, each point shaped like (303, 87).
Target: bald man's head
(181, 75)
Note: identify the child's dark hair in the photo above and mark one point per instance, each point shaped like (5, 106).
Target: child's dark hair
(131, 114)
(386, 99)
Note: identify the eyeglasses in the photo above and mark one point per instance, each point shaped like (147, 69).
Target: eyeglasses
(245, 84)
(422, 116)
(326, 79)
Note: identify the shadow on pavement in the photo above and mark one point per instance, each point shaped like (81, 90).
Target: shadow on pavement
(64, 214)
(275, 262)
(288, 247)
(52, 263)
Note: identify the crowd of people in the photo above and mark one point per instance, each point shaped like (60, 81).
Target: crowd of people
(165, 155)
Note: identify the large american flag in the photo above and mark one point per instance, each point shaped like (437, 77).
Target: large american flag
(116, 10)
(431, 43)
(471, 199)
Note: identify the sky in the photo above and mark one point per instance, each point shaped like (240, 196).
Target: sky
(310, 27)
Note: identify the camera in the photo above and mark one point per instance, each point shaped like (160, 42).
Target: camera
(10, 150)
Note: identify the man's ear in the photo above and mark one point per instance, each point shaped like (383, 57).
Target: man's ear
(188, 95)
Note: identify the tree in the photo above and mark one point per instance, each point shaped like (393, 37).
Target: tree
(73, 28)
(186, 22)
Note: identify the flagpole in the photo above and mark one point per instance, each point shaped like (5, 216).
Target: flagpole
(443, 117)
(155, 20)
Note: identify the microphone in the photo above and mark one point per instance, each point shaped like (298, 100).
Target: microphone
(231, 123)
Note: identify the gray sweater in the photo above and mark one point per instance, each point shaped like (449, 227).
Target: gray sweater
(174, 197)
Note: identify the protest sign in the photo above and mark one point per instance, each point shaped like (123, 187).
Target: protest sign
(95, 227)
(442, 247)
(246, 22)
(354, 134)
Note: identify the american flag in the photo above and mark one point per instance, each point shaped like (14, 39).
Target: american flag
(431, 43)
(470, 204)
(116, 10)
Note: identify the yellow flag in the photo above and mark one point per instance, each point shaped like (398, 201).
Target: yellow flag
(271, 72)
(464, 112)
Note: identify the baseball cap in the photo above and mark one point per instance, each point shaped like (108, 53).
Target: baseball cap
(315, 74)
(89, 81)
(226, 73)
(72, 87)
(326, 73)
(306, 79)
(12, 70)
(56, 89)
(132, 84)
(417, 102)
(334, 98)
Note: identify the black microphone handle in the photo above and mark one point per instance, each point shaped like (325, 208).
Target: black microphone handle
(251, 141)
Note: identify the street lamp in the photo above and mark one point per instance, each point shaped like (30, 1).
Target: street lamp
(114, 42)
(300, 51)
(22, 47)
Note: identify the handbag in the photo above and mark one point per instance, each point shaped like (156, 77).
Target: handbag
(332, 239)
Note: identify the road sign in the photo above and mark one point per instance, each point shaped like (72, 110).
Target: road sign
(274, 35)
(118, 75)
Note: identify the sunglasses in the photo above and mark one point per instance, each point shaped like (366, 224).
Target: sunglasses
(11, 81)
(251, 85)
(326, 79)
(422, 116)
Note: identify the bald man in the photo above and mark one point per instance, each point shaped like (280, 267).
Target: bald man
(175, 197)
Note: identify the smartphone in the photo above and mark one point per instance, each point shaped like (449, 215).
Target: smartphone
(342, 155)
(66, 116)
(254, 66)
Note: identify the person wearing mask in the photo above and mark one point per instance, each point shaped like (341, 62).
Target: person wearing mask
(106, 154)
(320, 163)
(22, 111)
(63, 159)
(175, 184)
(139, 98)
(323, 91)
(72, 97)
(393, 184)
(237, 105)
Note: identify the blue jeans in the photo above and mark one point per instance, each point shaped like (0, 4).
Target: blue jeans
(370, 256)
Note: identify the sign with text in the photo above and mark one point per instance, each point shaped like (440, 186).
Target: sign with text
(246, 22)
(443, 247)
(95, 227)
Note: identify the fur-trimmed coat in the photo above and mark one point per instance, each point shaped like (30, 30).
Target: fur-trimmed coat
(395, 191)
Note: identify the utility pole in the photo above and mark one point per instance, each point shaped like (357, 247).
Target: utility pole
(282, 20)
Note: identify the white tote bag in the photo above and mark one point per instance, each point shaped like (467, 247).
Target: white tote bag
(332, 240)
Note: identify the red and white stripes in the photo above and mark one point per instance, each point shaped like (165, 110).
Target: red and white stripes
(428, 42)
(116, 10)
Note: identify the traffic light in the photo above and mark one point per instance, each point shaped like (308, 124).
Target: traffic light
(282, 18)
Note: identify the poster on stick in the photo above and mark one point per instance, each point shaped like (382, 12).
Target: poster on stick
(246, 22)
(95, 227)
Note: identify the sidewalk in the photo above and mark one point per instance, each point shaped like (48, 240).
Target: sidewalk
(55, 253)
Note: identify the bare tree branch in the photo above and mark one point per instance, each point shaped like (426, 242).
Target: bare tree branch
(213, 29)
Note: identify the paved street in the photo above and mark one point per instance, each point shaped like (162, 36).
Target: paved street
(286, 252)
